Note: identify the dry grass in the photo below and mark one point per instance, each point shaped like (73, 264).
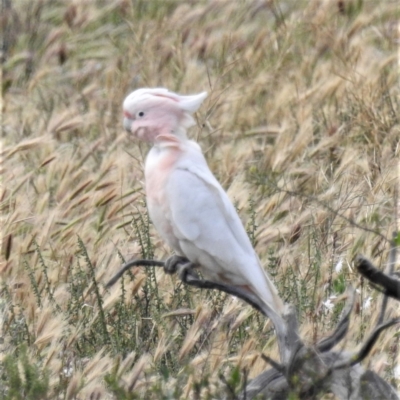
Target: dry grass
(300, 126)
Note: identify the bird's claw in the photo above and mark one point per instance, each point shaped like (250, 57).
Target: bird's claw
(172, 264)
(181, 266)
(185, 271)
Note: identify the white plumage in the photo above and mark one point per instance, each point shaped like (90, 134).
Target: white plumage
(187, 205)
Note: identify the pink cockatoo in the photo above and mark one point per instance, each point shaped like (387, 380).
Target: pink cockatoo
(187, 205)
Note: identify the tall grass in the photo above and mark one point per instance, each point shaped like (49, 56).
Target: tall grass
(301, 127)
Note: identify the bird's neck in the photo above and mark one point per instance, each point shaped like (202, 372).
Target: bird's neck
(174, 135)
(180, 132)
(170, 140)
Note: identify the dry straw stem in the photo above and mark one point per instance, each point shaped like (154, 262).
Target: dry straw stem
(306, 370)
(398, 197)
(301, 118)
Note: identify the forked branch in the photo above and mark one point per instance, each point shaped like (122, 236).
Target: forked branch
(304, 371)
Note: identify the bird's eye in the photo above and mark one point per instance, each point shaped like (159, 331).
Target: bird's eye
(140, 114)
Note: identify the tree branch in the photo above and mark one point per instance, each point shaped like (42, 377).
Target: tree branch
(367, 346)
(305, 371)
(368, 270)
(389, 271)
(130, 264)
(288, 339)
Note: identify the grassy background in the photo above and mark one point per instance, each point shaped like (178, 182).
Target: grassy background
(301, 128)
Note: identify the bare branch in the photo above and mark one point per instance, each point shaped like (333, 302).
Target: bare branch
(377, 277)
(274, 364)
(304, 371)
(285, 325)
(372, 386)
(264, 381)
(188, 276)
(389, 271)
(130, 264)
(367, 346)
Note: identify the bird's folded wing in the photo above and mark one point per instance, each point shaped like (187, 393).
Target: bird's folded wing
(203, 218)
(201, 212)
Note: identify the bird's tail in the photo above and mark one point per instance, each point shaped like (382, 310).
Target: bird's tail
(273, 307)
(265, 290)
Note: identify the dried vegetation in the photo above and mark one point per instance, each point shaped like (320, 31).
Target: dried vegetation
(300, 126)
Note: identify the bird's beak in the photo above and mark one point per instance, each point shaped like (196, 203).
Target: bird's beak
(128, 124)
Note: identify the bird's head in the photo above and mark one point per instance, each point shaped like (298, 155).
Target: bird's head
(149, 113)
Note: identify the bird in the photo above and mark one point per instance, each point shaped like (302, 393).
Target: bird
(187, 205)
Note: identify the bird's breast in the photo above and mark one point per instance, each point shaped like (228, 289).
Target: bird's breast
(160, 164)
(159, 167)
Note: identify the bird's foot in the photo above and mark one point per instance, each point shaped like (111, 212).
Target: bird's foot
(181, 266)
(187, 273)
(173, 262)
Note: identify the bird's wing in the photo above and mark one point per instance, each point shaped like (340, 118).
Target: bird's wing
(207, 225)
(202, 213)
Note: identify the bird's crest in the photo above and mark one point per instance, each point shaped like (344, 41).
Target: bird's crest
(189, 104)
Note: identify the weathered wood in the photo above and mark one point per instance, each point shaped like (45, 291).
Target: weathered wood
(305, 372)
